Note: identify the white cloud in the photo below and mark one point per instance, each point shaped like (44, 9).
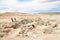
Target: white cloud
(14, 5)
(46, 0)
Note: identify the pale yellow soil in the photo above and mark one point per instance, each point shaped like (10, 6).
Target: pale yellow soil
(33, 27)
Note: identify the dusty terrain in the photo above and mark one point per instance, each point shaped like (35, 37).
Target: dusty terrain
(23, 26)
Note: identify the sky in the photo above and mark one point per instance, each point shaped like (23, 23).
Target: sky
(30, 6)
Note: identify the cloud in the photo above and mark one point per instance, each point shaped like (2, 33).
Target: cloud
(43, 1)
(51, 0)
(23, 0)
(28, 6)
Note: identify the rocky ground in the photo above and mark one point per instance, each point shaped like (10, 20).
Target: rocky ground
(14, 26)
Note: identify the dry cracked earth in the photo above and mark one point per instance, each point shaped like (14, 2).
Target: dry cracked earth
(22, 26)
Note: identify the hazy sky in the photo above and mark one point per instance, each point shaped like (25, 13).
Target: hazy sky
(30, 6)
